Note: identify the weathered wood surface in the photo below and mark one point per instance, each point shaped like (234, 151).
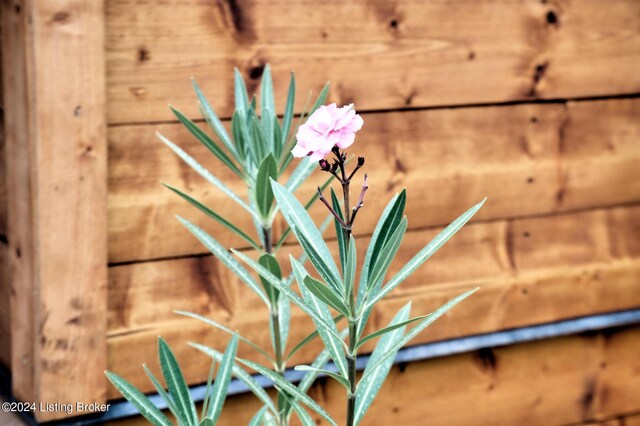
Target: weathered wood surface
(529, 270)
(527, 159)
(570, 380)
(54, 80)
(381, 55)
(5, 319)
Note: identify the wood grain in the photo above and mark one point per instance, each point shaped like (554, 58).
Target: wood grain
(570, 380)
(529, 270)
(380, 55)
(5, 314)
(527, 159)
(54, 79)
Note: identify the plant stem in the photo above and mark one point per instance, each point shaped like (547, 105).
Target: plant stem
(351, 367)
(275, 323)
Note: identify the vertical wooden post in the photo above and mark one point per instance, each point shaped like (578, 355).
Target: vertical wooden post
(54, 80)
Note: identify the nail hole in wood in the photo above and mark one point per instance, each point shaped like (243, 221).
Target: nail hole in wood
(552, 19)
(256, 72)
(530, 179)
(526, 234)
(77, 111)
(533, 119)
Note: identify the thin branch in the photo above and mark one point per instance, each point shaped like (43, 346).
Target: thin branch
(333, 212)
(360, 203)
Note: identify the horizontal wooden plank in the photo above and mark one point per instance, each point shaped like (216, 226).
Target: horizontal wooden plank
(379, 55)
(529, 270)
(527, 159)
(569, 380)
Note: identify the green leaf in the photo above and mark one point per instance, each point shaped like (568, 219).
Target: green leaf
(178, 389)
(337, 377)
(277, 137)
(389, 220)
(208, 176)
(264, 194)
(424, 323)
(288, 110)
(221, 384)
(287, 386)
(300, 173)
(284, 313)
(304, 229)
(237, 123)
(223, 255)
(259, 143)
(256, 420)
(273, 280)
(207, 422)
(325, 294)
(161, 391)
(312, 200)
(225, 329)
(267, 102)
(207, 391)
(340, 235)
(269, 262)
(215, 216)
(208, 142)
(330, 337)
(213, 119)
(425, 253)
(388, 329)
(138, 400)
(302, 343)
(386, 256)
(240, 92)
(369, 386)
(350, 267)
(304, 417)
(245, 377)
(321, 265)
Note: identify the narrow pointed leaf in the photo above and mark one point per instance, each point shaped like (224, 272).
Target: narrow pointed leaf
(237, 121)
(340, 235)
(350, 267)
(207, 392)
(309, 203)
(308, 339)
(325, 294)
(273, 280)
(337, 377)
(288, 111)
(290, 388)
(424, 323)
(332, 341)
(284, 313)
(211, 145)
(225, 329)
(425, 253)
(207, 422)
(223, 255)
(386, 330)
(138, 400)
(213, 119)
(269, 262)
(245, 377)
(264, 194)
(259, 142)
(256, 420)
(240, 92)
(304, 417)
(219, 390)
(207, 175)
(161, 391)
(267, 101)
(304, 228)
(369, 386)
(178, 389)
(386, 256)
(215, 216)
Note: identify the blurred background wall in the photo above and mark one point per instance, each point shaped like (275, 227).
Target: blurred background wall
(531, 103)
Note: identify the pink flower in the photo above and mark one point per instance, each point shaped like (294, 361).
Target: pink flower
(327, 127)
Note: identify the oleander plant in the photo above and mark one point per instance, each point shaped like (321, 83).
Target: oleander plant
(338, 294)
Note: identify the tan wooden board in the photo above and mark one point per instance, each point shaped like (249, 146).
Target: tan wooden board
(379, 55)
(527, 159)
(54, 80)
(529, 271)
(568, 380)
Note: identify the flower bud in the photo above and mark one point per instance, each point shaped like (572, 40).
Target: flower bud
(360, 161)
(324, 165)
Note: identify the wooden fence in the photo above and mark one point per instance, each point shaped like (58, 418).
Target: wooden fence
(532, 103)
